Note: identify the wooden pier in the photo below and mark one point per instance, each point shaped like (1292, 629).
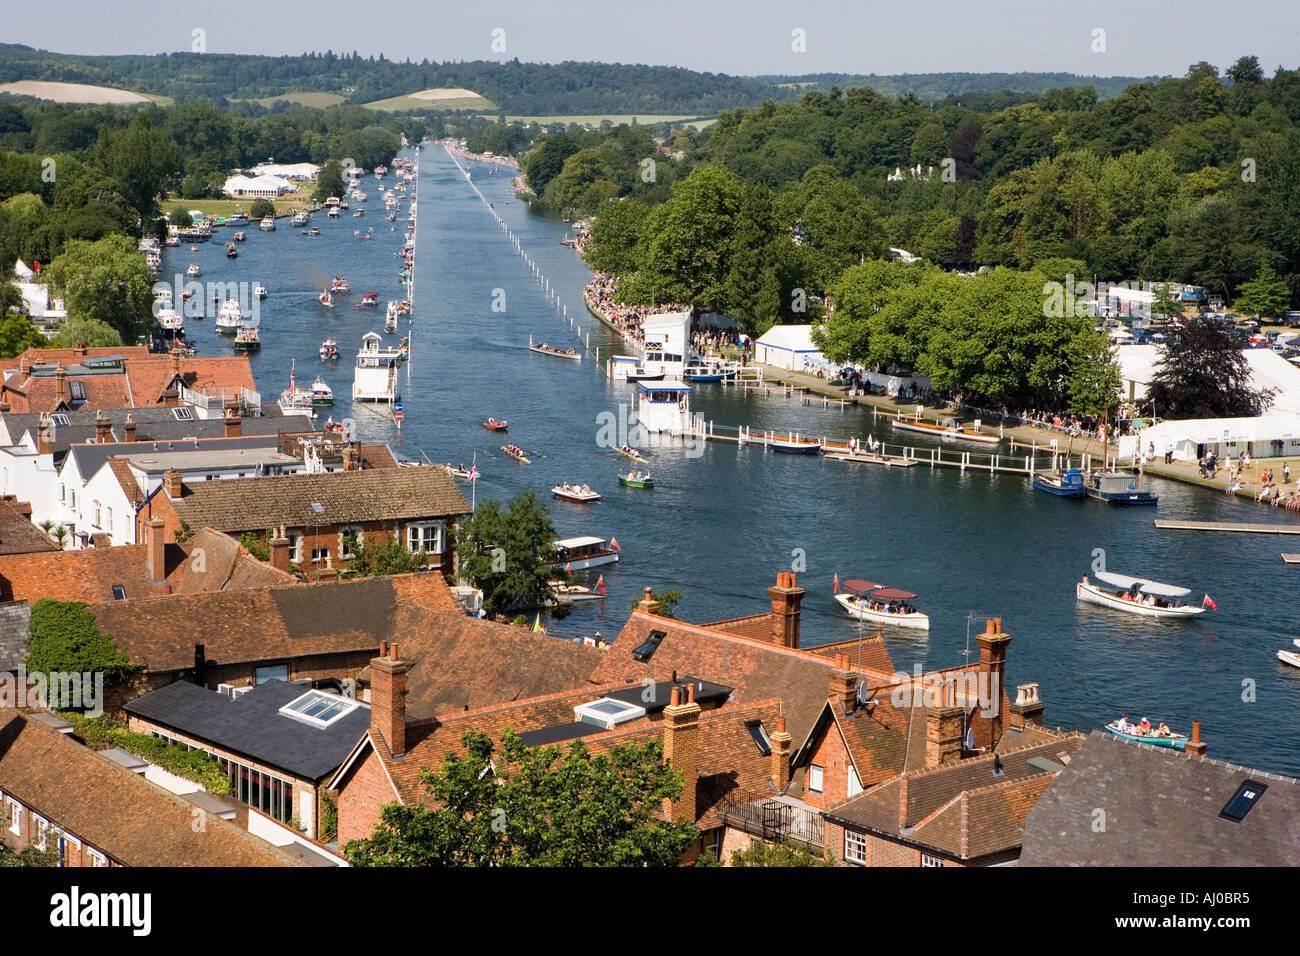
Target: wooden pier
(1290, 558)
(1241, 527)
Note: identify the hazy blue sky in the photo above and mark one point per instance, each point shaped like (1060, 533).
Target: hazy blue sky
(1142, 37)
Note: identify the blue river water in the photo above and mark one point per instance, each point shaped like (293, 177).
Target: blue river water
(721, 523)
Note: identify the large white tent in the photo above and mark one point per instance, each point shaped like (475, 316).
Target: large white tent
(1267, 436)
(789, 347)
(1137, 364)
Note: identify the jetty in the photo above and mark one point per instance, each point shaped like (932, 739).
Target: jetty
(1240, 527)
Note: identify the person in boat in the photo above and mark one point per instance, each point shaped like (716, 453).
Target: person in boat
(1123, 726)
(1163, 730)
(1145, 727)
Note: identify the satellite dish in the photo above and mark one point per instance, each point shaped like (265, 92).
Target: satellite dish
(970, 738)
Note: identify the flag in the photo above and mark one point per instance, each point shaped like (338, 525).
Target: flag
(1212, 605)
(836, 587)
(613, 543)
(537, 623)
(601, 584)
(473, 472)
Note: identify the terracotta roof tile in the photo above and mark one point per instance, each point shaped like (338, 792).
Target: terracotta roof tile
(17, 533)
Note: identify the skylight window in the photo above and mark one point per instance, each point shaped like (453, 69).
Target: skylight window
(755, 728)
(607, 713)
(318, 708)
(646, 651)
(183, 414)
(77, 391)
(119, 593)
(59, 418)
(1247, 796)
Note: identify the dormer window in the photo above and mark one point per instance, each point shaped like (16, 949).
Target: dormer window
(77, 390)
(183, 414)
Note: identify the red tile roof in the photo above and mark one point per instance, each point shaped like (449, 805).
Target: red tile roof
(114, 810)
(17, 533)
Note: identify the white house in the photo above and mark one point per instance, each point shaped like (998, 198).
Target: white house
(36, 297)
(789, 347)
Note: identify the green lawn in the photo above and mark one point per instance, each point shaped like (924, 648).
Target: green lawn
(284, 206)
(618, 119)
(316, 99)
(471, 101)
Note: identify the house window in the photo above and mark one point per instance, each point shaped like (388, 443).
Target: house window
(77, 391)
(97, 514)
(59, 418)
(108, 519)
(928, 860)
(66, 843)
(295, 546)
(318, 555)
(424, 537)
(855, 848)
(273, 672)
(15, 818)
(349, 543)
(855, 785)
(42, 830)
(755, 728)
(713, 841)
(183, 414)
(119, 593)
(97, 858)
(814, 779)
(72, 498)
(63, 493)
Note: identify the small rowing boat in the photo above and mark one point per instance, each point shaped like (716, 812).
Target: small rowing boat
(581, 494)
(1139, 596)
(875, 602)
(627, 451)
(517, 453)
(636, 479)
(949, 430)
(1148, 736)
(570, 593)
(493, 425)
(544, 349)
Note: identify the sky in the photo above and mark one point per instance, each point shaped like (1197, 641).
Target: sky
(745, 37)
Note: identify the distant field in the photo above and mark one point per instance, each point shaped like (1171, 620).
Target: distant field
(446, 99)
(75, 93)
(643, 119)
(317, 100)
(224, 207)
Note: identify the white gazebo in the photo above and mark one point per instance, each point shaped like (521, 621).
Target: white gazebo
(789, 347)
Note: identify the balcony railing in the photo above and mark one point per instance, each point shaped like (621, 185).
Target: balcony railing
(773, 819)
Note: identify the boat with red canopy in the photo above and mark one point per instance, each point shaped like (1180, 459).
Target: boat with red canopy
(868, 601)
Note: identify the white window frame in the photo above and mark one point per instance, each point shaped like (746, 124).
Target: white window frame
(40, 830)
(108, 519)
(318, 555)
(859, 843)
(416, 534)
(95, 503)
(15, 817)
(66, 839)
(818, 774)
(96, 858)
(295, 546)
(928, 860)
(344, 554)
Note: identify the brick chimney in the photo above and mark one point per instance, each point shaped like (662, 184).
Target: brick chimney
(79, 349)
(352, 456)
(786, 597)
(60, 381)
(843, 686)
(648, 604)
(156, 550)
(327, 573)
(103, 427)
(682, 750)
(45, 434)
(1195, 745)
(1026, 708)
(176, 359)
(992, 667)
(232, 422)
(943, 744)
(129, 428)
(279, 548)
(781, 741)
(388, 699)
(173, 482)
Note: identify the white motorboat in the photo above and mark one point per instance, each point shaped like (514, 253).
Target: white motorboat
(1290, 657)
(170, 320)
(259, 290)
(268, 224)
(193, 271)
(575, 492)
(295, 400)
(874, 602)
(578, 554)
(1138, 596)
(321, 393)
(949, 430)
(329, 350)
(573, 593)
(230, 318)
(301, 217)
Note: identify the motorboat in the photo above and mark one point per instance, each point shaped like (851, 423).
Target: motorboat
(333, 213)
(390, 323)
(868, 601)
(170, 320)
(949, 430)
(239, 236)
(301, 217)
(1063, 484)
(259, 290)
(321, 393)
(493, 425)
(267, 224)
(1139, 596)
(578, 554)
(1119, 488)
(232, 251)
(237, 218)
(314, 231)
(517, 453)
(339, 286)
(368, 300)
(1290, 657)
(193, 271)
(792, 444)
(329, 350)
(230, 318)
(247, 339)
(545, 349)
(571, 593)
(326, 298)
(1150, 736)
(295, 400)
(580, 494)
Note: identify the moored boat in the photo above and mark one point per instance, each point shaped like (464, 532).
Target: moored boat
(1119, 488)
(792, 444)
(867, 601)
(578, 554)
(581, 494)
(1139, 596)
(1148, 736)
(949, 430)
(247, 339)
(1067, 484)
(566, 593)
(267, 224)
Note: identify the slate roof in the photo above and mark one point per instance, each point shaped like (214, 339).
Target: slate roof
(1162, 809)
(209, 561)
(114, 810)
(17, 533)
(757, 670)
(257, 624)
(89, 458)
(395, 494)
(151, 424)
(251, 725)
(15, 621)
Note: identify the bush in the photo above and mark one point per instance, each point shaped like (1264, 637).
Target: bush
(261, 209)
(100, 733)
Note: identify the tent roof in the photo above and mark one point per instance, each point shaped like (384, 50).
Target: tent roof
(795, 338)
(1268, 370)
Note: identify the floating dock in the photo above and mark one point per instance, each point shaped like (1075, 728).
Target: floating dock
(1241, 527)
(1290, 558)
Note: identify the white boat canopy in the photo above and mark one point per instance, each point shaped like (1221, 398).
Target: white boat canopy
(1154, 588)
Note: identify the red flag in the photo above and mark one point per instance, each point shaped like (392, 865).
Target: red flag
(36, 265)
(836, 587)
(1212, 605)
(601, 584)
(568, 569)
(613, 543)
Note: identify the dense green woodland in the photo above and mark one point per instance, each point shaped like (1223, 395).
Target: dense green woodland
(530, 89)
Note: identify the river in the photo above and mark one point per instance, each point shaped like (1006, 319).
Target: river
(719, 525)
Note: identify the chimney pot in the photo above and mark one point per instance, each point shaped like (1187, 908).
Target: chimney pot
(676, 697)
(392, 651)
(1196, 731)
(156, 550)
(383, 648)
